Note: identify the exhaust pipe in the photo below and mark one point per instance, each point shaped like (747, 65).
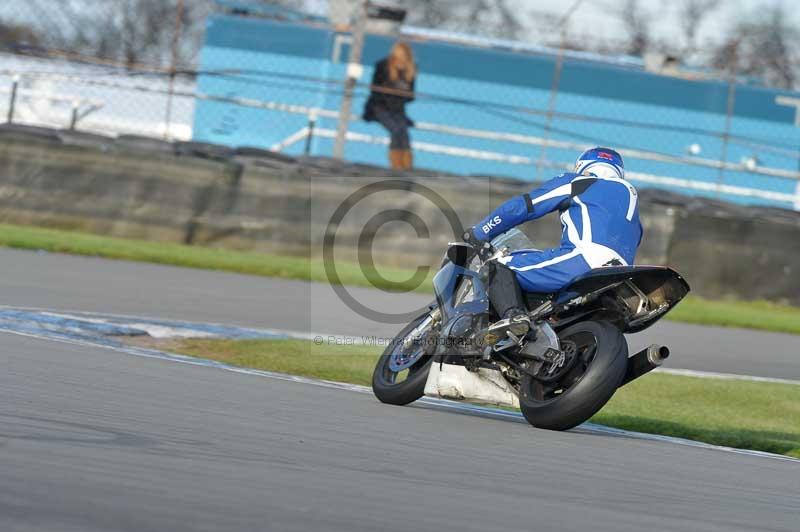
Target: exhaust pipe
(645, 361)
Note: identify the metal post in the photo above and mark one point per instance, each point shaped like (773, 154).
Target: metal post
(353, 66)
(173, 61)
(732, 69)
(551, 107)
(74, 120)
(13, 101)
(312, 122)
(726, 134)
(797, 188)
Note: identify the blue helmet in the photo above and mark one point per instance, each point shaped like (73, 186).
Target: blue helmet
(600, 162)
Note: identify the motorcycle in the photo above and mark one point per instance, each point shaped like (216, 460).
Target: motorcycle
(561, 373)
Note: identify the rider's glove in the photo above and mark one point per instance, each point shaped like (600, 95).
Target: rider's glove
(483, 249)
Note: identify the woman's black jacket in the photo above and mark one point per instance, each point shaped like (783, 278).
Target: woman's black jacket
(394, 103)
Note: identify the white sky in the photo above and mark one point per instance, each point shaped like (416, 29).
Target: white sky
(597, 18)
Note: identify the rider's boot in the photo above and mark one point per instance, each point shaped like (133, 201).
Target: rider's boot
(515, 321)
(506, 298)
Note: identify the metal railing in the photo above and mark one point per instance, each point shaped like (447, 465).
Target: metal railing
(307, 133)
(80, 108)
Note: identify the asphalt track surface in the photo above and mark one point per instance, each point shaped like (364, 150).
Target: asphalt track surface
(96, 440)
(62, 282)
(93, 439)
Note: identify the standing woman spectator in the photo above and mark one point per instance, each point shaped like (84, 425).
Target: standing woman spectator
(393, 87)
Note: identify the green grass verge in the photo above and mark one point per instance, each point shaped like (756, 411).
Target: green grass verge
(747, 314)
(760, 315)
(268, 265)
(748, 415)
(744, 414)
(342, 363)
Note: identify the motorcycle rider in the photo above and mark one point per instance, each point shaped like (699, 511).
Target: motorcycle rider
(600, 227)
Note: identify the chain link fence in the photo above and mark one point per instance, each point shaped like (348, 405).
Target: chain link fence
(244, 74)
(114, 67)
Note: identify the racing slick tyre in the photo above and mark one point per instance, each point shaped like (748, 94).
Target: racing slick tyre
(596, 358)
(401, 372)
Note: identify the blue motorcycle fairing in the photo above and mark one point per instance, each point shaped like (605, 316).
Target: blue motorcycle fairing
(446, 283)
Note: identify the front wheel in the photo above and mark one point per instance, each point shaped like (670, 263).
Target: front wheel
(597, 358)
(402, 370)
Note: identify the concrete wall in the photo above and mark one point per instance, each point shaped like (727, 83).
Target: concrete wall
(250, 199)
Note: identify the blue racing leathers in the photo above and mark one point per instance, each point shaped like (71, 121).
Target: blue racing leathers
(600, 227)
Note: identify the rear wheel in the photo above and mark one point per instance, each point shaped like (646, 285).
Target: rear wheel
(402, 370)
(595, 364)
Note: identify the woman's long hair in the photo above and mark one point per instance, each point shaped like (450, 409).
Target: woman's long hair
(401, 62)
